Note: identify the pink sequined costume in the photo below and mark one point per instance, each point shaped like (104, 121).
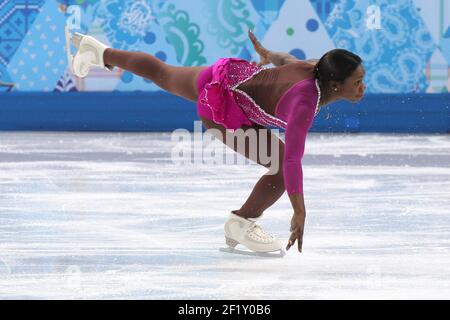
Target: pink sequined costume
(223, 100)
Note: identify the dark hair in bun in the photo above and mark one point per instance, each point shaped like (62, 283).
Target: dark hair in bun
(336, 65)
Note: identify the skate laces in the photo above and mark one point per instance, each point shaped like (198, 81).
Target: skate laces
(256, 229)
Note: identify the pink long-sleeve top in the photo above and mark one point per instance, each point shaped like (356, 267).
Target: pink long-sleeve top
(285, 97)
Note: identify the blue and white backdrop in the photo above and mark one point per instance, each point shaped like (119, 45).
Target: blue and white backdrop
(405, 44)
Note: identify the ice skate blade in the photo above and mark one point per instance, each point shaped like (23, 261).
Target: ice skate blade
(68, 48)
(76, 39)
(274, 254)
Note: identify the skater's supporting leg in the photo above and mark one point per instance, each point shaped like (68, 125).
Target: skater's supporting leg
(181, 81)
(270, 187)
(265, 193)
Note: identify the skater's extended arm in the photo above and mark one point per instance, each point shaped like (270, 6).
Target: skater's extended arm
(276, 58)
(300, 119)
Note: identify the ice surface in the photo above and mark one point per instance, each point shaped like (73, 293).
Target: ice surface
(109, 215)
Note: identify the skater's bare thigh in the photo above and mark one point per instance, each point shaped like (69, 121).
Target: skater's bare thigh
(184, 81)
(272, 141)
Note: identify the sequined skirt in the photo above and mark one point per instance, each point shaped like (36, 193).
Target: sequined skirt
(217, 100)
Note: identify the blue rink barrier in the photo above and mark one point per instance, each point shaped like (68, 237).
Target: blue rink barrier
(160, 111)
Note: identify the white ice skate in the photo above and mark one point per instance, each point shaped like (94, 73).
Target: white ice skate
(246, 232)
(89, 53)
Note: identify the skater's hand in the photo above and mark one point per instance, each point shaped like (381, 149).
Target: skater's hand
(263, 52)
(297, 227)
(268, 56)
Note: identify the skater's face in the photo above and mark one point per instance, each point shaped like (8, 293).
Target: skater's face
(353, 87)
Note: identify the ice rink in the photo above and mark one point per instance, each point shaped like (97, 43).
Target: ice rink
(110, 216)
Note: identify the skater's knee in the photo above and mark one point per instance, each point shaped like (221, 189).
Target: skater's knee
(276, 177)
(277, 181)
(275, 167)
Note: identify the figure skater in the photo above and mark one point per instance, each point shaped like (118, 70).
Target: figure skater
(236, 94)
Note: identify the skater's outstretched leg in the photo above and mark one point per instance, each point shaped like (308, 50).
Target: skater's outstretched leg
(181, 81)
